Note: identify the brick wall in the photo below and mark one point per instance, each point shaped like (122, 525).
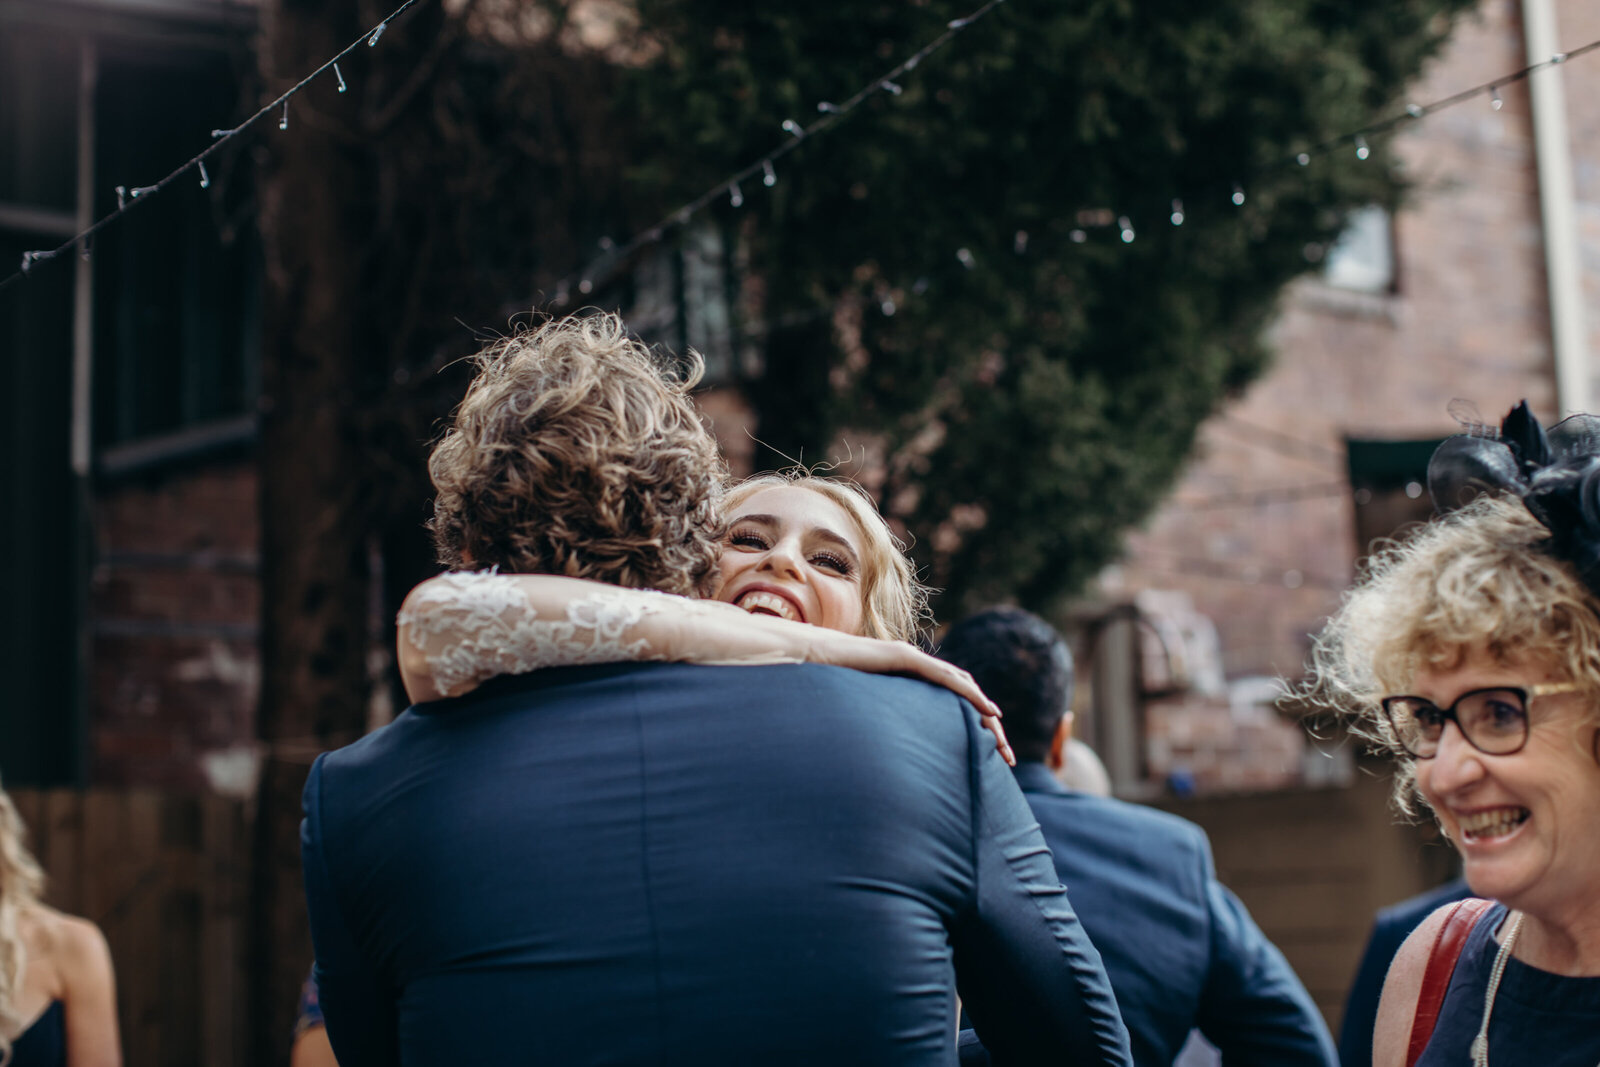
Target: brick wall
(174, 617)
(1261, 530)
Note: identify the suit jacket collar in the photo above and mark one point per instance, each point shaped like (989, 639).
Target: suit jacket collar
(1035, 777)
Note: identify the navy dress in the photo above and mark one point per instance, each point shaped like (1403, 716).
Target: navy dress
(44, 1044)
(1539, 1017)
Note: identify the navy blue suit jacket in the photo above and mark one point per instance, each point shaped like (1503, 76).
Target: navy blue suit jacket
(1389, 931)
(1181, 950)
(662, 864)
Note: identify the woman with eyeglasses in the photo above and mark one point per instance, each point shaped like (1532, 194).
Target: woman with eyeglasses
(1473, 653)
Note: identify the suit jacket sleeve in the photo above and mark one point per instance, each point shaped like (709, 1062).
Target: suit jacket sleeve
(357, 1005)
(1030, 978)
(1253, 1007)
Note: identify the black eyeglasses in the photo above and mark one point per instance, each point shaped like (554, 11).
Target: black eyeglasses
(1494, 721)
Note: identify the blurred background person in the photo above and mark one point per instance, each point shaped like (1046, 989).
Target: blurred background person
(1472, 651)
(58, 1005)
(1181, 950)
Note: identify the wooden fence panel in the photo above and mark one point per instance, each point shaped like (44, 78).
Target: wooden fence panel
(166, 878)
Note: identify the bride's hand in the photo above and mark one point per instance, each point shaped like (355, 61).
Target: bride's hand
(878, 656)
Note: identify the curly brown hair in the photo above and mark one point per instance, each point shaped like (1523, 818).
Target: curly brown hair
(574, 452)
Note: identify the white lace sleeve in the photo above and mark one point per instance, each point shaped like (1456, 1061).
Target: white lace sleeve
(470, 627)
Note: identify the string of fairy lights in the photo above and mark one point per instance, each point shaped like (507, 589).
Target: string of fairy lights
(615, 255)
(129, 198)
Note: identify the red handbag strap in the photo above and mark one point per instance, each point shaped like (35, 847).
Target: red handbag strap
(1447, 946)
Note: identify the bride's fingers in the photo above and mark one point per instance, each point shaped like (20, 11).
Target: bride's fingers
(959, 682)
(999, 732)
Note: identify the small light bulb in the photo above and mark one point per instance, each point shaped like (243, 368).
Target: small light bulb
(735, 194)
(769, 177)
(1494, 98)
(828, 107)
(1177, 212)
(205, 179)
(1078, 237)
(586, 287)
(607, 244)
(1238, 195)
(1416, 111)
(1304, 159)
(283, 123)
(959, 24)
(887, 307)
(122, 197)
(337, 73)
(221, 133)
(891, 88)
(793, 128)
(1362, 151)
(1127, 229)
(1558, 58)
(372, 42)
(965, 256)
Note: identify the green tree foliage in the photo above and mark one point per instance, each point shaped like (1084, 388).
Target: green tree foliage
(1018, 414)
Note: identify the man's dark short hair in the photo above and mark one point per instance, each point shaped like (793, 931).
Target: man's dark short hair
(1024, 665)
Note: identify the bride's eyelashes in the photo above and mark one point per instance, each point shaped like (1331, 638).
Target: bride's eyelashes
(756, 541)
(829, 560)
(749, 539)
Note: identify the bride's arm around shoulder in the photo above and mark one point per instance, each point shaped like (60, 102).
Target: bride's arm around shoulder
(460, 629)
(1401, 991)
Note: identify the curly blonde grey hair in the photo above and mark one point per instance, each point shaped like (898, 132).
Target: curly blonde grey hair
(574, 453)
(21, 883)
(894, 603)
(1477, 578)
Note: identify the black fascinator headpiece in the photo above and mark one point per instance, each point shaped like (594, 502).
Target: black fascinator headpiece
(1555, 474)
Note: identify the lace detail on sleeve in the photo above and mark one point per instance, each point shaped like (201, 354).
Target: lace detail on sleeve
(473, 626)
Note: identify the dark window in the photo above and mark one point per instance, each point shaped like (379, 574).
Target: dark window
(177, 280)
(1390, 481)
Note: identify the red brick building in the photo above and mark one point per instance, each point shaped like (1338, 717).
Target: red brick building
(1453, 296)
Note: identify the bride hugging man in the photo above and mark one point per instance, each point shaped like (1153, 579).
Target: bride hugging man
(626, 825)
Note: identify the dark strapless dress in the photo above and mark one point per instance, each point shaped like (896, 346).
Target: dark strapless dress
(44, 1044)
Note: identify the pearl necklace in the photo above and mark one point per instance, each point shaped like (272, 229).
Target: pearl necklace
(1480, 1044)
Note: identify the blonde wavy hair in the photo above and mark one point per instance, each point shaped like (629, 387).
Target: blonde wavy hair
(575, 453)
(894, 603)
(21, 883)
(1478, 578)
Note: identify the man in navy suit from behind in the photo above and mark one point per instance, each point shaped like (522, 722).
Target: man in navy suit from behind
(1181, 950)
(663, 863)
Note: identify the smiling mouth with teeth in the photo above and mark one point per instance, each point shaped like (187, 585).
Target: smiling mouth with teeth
(760, 603)
(1496, 822)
